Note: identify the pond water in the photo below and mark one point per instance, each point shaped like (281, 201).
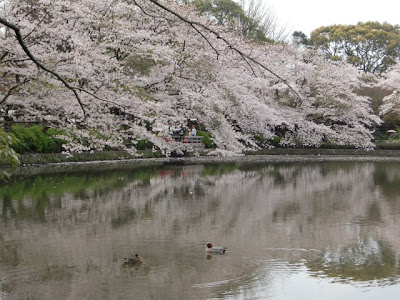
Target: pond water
(326, 230)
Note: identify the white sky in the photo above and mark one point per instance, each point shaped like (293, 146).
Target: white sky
(307, 15)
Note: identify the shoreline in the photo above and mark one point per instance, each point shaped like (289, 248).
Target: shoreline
(293, 156)
(115, 156)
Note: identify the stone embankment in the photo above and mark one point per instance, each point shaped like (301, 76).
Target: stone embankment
(43, 163)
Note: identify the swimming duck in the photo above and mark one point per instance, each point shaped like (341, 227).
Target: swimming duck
(134, 260)
(211, 249)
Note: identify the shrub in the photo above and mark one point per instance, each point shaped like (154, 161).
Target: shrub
(7, 154)
(275, 141)
(144, 144)
(35, 139)
(52, 133)
(207, 141)
(259, 138)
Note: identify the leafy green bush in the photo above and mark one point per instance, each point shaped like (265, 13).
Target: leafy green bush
(7, 154)
(58, 142)
(207, 141)
(275, 141)
(144, 144)
(259, 138)
(35, 139)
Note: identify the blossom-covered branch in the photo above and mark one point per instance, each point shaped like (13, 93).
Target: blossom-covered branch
(11, 89)
(246, 57)
(138, 66)
(38, 63)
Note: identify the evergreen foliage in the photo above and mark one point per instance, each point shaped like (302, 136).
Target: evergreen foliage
(207, 141)
(372, 46)
(232, 15)
(36, 139)
(8, 156)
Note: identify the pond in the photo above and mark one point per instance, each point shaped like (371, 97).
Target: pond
(295, 230)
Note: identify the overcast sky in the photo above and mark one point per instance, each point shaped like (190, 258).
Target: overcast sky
(307, 15)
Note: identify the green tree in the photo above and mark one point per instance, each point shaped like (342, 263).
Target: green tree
(299, 38)
(231, 14)
(224, 12)
(36, 139)
(371, 46)
(7, 155)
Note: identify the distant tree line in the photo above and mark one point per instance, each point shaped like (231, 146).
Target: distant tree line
(373, 47)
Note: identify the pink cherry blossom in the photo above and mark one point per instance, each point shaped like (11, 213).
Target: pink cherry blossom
(132, 67)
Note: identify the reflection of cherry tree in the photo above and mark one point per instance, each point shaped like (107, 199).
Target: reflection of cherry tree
(300, 200)
(365, 260)
(115, 71)
(304, 214)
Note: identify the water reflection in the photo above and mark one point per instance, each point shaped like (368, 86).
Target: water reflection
(65, 235)
(365, 260)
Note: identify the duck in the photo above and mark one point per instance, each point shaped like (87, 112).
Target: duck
(211, 249)
(133, 260)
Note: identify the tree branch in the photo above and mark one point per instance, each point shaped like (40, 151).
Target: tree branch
(247, 58)
(39, 64)
(8, 94)
(3, 55)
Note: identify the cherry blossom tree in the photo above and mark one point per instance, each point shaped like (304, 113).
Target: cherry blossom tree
(110, 73)
(391, 103)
